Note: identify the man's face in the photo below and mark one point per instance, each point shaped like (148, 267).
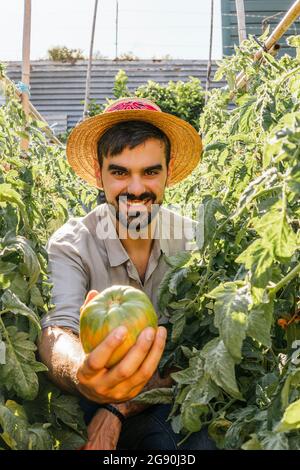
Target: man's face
(134, 182)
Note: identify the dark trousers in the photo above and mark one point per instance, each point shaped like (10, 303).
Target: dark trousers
(149, 430)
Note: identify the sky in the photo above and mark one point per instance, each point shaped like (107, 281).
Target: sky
(146, 28)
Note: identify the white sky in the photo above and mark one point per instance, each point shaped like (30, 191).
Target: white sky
(147, 28)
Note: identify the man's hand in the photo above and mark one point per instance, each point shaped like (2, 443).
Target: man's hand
(104, 429)
(127, 378)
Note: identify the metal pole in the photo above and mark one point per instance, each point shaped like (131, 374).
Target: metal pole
(89, 68)
(26, 68)
(240, 12)
(117, 28)
(210, 50)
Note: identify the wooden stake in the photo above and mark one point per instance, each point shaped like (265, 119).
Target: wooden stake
(88, 74)
(290, 17)
(241, 21)
(210, 50)
(117, 28)
(26, 66)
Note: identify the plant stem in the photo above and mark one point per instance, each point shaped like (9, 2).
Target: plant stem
(4, 311)
(293, 273)
(288, 75)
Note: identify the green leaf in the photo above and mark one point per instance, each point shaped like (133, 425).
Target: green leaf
(211, 208)
(66, 409)
(220, 366)
(20, 244)
(274, 227)
(274, 441)
(20, 287)
(265, 180)
(178, 260)
(260, 322)
(68, 440)
(178, 320)
(176, 279)
(191, 416)
(36, 297)
(258, 258)
(176, 424)
(40, 438)
(252, 444)
(231, 315)
(8, 194)
(185, 377)
(291, 418)
(6, 267)
(12, 303)
(203, 391)
(155, 396)
(18, 372)
(14, 426)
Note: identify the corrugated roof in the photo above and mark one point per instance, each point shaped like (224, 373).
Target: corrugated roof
(57, 89)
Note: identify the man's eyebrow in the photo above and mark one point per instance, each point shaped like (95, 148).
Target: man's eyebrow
(154, 167)
(113, 167)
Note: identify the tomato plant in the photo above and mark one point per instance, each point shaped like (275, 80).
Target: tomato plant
(227, 301)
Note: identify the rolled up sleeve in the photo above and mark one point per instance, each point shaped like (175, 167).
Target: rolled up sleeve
(70, 283)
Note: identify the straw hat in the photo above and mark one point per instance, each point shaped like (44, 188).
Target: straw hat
(186, 145)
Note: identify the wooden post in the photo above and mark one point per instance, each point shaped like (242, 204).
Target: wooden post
(117, 28)
(89, 68)
(292, 14)
(26, 67)
(241, 21)
(210, 50)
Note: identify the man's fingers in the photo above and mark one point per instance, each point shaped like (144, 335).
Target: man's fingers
(91, 294)
(141, 361)
(98, 358)
(150, 364)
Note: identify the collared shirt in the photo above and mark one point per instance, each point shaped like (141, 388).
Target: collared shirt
(86, 253)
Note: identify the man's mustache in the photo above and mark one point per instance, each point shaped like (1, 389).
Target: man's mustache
(132, 197)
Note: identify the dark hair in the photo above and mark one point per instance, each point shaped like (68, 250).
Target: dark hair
(129, 134)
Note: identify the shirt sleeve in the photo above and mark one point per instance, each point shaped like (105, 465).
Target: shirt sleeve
(70, 283)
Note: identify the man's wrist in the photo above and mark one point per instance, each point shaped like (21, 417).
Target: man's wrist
(114, 410)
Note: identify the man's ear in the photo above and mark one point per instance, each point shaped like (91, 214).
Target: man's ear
(170, 171)
(98, 177)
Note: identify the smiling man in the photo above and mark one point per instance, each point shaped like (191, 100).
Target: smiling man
(133, 151)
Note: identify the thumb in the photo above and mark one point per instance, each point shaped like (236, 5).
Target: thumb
(91, 294)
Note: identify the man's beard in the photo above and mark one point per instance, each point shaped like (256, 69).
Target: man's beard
(132, 219)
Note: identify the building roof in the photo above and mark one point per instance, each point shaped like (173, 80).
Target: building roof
(57, 89)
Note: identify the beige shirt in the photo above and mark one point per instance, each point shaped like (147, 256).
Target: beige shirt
(86, 253)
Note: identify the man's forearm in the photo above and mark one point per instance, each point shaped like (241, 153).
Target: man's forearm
(61, 351)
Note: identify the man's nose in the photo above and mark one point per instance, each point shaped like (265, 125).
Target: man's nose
(136, 186)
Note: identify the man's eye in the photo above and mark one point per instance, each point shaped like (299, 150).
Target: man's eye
(151, 172)
(118, 173)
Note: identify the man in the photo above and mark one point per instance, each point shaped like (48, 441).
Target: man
(132, 152)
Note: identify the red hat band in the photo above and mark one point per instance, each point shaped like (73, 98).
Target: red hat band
(131, 104)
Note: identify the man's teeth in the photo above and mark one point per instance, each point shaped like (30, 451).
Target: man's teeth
(136, 203)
